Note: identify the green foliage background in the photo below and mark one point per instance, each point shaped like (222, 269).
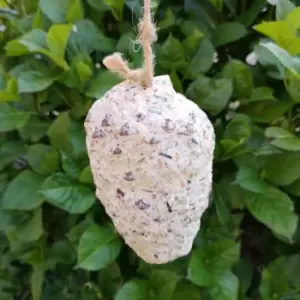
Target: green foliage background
(56, 242)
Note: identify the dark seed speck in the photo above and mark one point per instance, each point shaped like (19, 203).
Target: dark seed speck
(124, 131)
(154, 140)
(120, 193)
(117, 151)
(141, 204)
(165, 155)
(98, 133)
(129, 176)
(194, 141)
(107, 121)
(169, 125)
(169, 207)
(140, 117)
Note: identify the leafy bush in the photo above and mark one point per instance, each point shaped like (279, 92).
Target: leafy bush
(237, 60)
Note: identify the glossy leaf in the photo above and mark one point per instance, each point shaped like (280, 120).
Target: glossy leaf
(275, 210)
(61, 191)
(282, 169)
(209, 94)
(22, 192)
(11, 118)
(228, 32)
(95, 256)
(134, 290)
(209, 263)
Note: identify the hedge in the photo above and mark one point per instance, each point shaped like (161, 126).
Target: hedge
(238, 60)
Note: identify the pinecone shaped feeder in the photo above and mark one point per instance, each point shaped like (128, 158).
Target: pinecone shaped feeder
(151, 153)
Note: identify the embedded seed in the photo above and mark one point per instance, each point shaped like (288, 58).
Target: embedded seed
(107, 121)
(169, 125)
(98, 133)
(128, 176)
(124, 131)
(141, 204)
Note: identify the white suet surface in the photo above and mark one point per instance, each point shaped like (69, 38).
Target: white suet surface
(151, 154)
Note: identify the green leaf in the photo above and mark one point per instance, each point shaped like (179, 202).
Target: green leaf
(275, 209)
(37, 280)
(171, 55)
(168, 20)
(57, 39)
(281, 33)
(86, 38)
(9, 151)
(185, 291)
(71, 167)
(277, 132)
(244, 271)
(211, 95)
(226, 288)
(11, 118)
(177, 84)
(288, 266)
(98, 5)
(238, 129)
(101, 83)
(110, 279)
(77, 137)
(163, 282)
(292, 20)
(38, 21)
(266, 111)
(34, 130)
(248, 178)
(209, 262)
(259, 94)
(73, 197)
(34, 41)
(116, 8)
(75, 11)
(293, 188)
(271, 54)
(289, 143)
(292, 83)
(43, 159)
(86, 175)
(27, 230)
(34, 81)
(22, 192)
(55, 10)
(62, 252)
(283, 8)
(95, 256)
(227, 33)
(221, 202)
(248, 17)
(134, 290)
(241, 77)
(59, 132)
(79, 73)
(282, 169)
(271, 286)
(203, 59)
(77, 230)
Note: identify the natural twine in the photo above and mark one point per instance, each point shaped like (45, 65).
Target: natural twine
(147, 35)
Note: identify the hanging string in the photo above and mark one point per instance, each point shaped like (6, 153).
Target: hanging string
(147, 36)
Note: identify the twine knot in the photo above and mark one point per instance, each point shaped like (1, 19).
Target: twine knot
(147, 35)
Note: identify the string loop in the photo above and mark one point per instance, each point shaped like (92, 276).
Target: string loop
(147, 36)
